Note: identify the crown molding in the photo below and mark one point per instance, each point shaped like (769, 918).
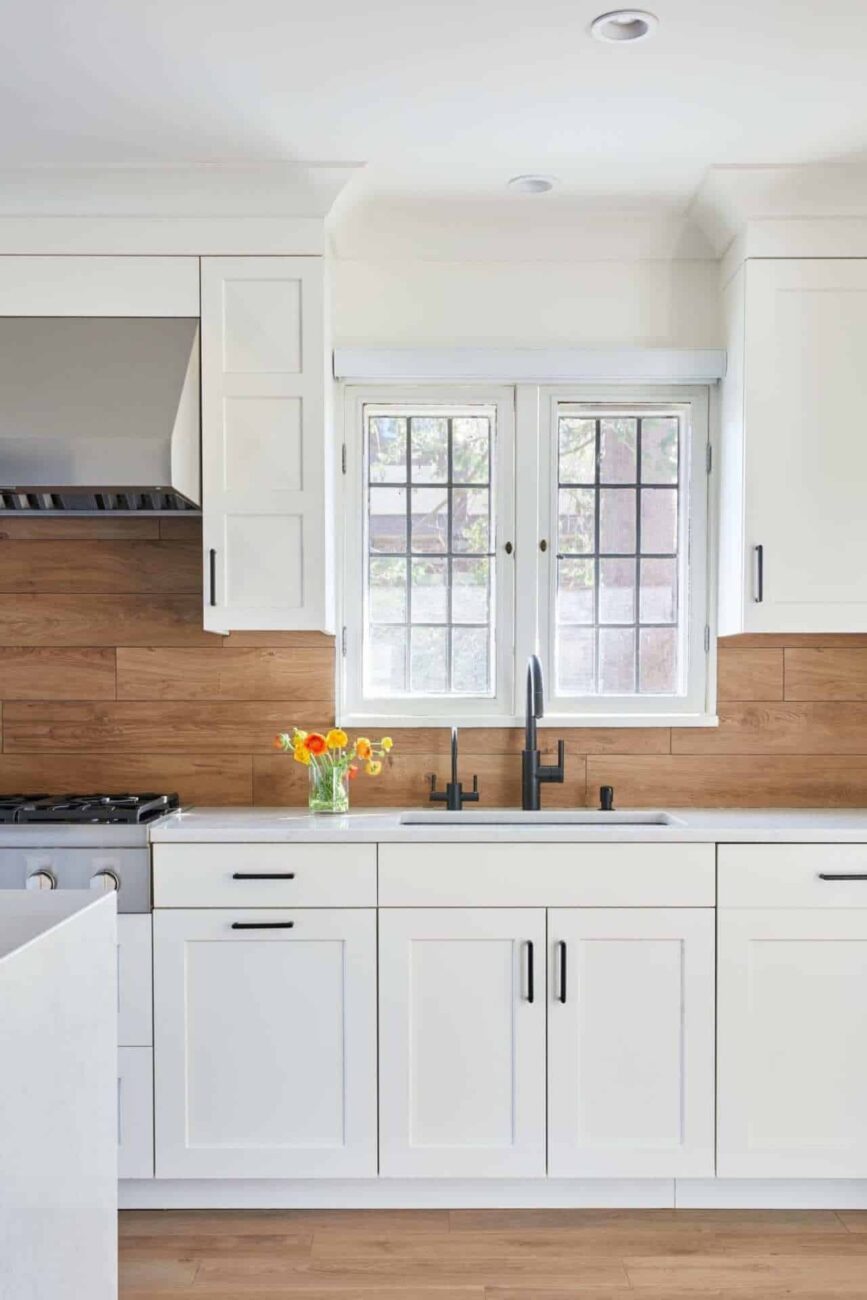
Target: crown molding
(815, 206)
(209, 191)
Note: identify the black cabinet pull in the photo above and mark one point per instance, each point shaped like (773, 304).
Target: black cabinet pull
(760, 575)
(827, 875)
(531, 976)
(262, 925)
(263, 875)
(561, 948)
(212, 564)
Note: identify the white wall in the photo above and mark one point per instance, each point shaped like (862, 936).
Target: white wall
(511, 277)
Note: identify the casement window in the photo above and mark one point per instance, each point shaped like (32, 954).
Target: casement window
(483, 524)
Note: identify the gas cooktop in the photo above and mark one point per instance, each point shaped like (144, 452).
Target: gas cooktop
(86, 809)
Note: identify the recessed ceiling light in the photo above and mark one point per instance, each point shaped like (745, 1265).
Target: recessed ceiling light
(624, 25)
(532, 184)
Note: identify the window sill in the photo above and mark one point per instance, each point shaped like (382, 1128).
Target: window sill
(382, 722)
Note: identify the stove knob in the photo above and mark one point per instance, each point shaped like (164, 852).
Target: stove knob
(105, 882)
(42, 880)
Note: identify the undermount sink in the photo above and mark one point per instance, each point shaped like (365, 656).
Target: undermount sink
(556, 817)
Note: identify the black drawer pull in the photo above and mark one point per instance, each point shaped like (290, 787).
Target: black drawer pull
(827, 875)
(263, 875)
(531, 981)
(562, 949)
(262, 925)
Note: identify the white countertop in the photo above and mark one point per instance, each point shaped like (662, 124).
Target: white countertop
(696, 825)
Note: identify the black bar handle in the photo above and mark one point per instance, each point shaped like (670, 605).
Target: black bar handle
(852, 875)
(531, 974)
(561, 948)
(262, 925)
(212, 563)
(263, 875)
(760, 575)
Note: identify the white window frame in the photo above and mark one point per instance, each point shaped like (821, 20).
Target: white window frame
(697, 644)
(353, 707)
(525, 516)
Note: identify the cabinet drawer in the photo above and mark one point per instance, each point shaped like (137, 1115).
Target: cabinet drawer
(265, 875)
(790, 875)
(135, 1112)
(546, 875)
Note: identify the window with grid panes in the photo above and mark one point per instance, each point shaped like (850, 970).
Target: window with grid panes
(618, 590)
(486, 523)
(429, 539)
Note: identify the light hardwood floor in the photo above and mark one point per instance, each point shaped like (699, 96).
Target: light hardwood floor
(493, 1255)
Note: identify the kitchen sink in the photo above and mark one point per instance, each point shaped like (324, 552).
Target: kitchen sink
(556, 817)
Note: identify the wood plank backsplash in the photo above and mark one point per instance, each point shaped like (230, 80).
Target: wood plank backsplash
(107, 680)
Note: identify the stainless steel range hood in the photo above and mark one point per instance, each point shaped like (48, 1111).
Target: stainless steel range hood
(99, 415)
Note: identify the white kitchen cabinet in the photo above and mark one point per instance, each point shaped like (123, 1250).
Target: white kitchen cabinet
(462, 1042)
(134, 980)
(135, 1112)
(794, 459)
(267, 511)
(792, 1042)
(265, 1043)
(631, 1042)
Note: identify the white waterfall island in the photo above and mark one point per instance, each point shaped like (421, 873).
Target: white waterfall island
(58, 1096)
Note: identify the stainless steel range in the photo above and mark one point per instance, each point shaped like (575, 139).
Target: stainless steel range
(97, 842)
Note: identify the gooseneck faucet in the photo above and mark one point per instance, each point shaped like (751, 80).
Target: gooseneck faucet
(533, 772)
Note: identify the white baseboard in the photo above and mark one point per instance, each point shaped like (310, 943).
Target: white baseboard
(496, 1194)
(771, 1194)
(398, 1193)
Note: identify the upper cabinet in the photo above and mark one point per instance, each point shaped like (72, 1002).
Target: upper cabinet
(794, 458)
(265, 445)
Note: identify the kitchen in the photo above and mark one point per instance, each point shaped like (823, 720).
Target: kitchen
(527, 441)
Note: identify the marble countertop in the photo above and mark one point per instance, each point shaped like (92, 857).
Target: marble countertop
(692, 825)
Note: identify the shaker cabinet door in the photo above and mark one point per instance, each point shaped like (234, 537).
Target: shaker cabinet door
(792, 1037)
(805, 457)
(462, 1042)
(631, 1043)
(265, 1043)
(265, 456)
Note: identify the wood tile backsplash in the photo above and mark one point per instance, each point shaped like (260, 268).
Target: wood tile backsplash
(107, 680)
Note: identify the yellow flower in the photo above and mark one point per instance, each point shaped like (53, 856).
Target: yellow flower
(363, 747)
(299, 735)
(387, 744)
(336, 738)
(302, 755)
(374, 768)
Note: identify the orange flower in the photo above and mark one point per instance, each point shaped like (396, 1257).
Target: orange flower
(352, 772)
(363, 747)
(314, 743)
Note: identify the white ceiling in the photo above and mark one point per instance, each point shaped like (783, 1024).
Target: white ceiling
(438, 97)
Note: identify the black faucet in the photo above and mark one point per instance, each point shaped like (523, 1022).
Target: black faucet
(453, 796)
(534, 773)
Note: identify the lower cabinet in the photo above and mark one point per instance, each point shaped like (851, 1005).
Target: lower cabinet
(135, 1112)
(631, 1042)
(265, 1043)
(462, 1042)
(793, 1033)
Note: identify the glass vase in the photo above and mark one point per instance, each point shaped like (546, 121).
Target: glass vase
(329, 789)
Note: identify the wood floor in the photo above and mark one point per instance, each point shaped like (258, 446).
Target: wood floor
(493, 1255)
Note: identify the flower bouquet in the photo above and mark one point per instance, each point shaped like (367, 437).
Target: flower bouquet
(333, 760)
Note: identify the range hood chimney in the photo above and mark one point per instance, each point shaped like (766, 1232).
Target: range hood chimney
(99, 415)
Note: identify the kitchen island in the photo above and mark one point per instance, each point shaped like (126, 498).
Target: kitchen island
(58, 1096)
